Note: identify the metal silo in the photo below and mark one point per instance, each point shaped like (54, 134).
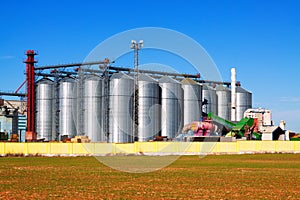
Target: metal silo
(192, 100)
(148, 108)
(223, 102)
(171, 107)
(120, 108)
(92, 108)
(44, 109)
(67, 114)
(243, 102)
(210, 95)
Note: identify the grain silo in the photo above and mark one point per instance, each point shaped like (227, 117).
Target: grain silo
(44, 109)
(149, 113)
(171, 107)
(223, 102)
(209, 94)
(120, 108)
(67, 114)
(92, 108)
(243, 102)
(192, 100)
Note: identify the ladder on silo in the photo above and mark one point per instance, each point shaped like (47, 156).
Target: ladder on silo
(105, 125)
(80, 107)
(136, 47)
(135, 107)
(56, 106)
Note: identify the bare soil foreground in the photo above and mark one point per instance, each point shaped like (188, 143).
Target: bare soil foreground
(264, 176)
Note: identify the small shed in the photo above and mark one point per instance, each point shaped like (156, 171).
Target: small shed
(271, 132)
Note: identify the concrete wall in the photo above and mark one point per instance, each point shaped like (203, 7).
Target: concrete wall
(150, 148)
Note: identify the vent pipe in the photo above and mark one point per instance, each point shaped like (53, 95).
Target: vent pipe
(233, 94)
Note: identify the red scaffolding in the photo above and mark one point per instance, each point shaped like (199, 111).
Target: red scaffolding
(30, 132)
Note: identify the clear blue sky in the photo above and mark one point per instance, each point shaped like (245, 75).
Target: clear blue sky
(260, 38)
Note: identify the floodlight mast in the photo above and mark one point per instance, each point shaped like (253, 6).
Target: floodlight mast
(136, 47)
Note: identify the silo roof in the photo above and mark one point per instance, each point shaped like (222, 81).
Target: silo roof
(67, 79)
(45, 80)
(207, 87)
(188, 81)
(241, 90)
(92, 77)
(120, 75)
(144, 77)
(167, 79)
(222, 88)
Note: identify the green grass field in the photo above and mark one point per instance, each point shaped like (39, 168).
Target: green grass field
(268, 176)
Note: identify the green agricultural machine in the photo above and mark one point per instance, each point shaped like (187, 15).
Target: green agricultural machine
(243, 128)
(295, 138)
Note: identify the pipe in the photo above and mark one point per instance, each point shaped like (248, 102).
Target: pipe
(71, 65)
(153, 72)
(233, 94)
(12, 94)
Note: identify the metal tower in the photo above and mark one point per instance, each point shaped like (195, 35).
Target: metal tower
(30, 132)
(136, 47)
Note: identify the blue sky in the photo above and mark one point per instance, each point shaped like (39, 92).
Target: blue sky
(260, 38)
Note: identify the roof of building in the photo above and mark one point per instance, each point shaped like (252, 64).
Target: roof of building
(269, 129)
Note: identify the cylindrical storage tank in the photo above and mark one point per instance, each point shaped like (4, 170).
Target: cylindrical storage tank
(210, 95)
(192, 100)
(120, 108)
(148, 108)
(171, 107)
(44, 109)
(223, 102)
(67, 114)
(243, 102)
(92, 107)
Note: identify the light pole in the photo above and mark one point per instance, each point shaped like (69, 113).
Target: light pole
(136, 47)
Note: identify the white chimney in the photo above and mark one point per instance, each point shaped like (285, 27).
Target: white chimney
(233, 94)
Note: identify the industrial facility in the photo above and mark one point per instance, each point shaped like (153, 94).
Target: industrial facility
(124, 105)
